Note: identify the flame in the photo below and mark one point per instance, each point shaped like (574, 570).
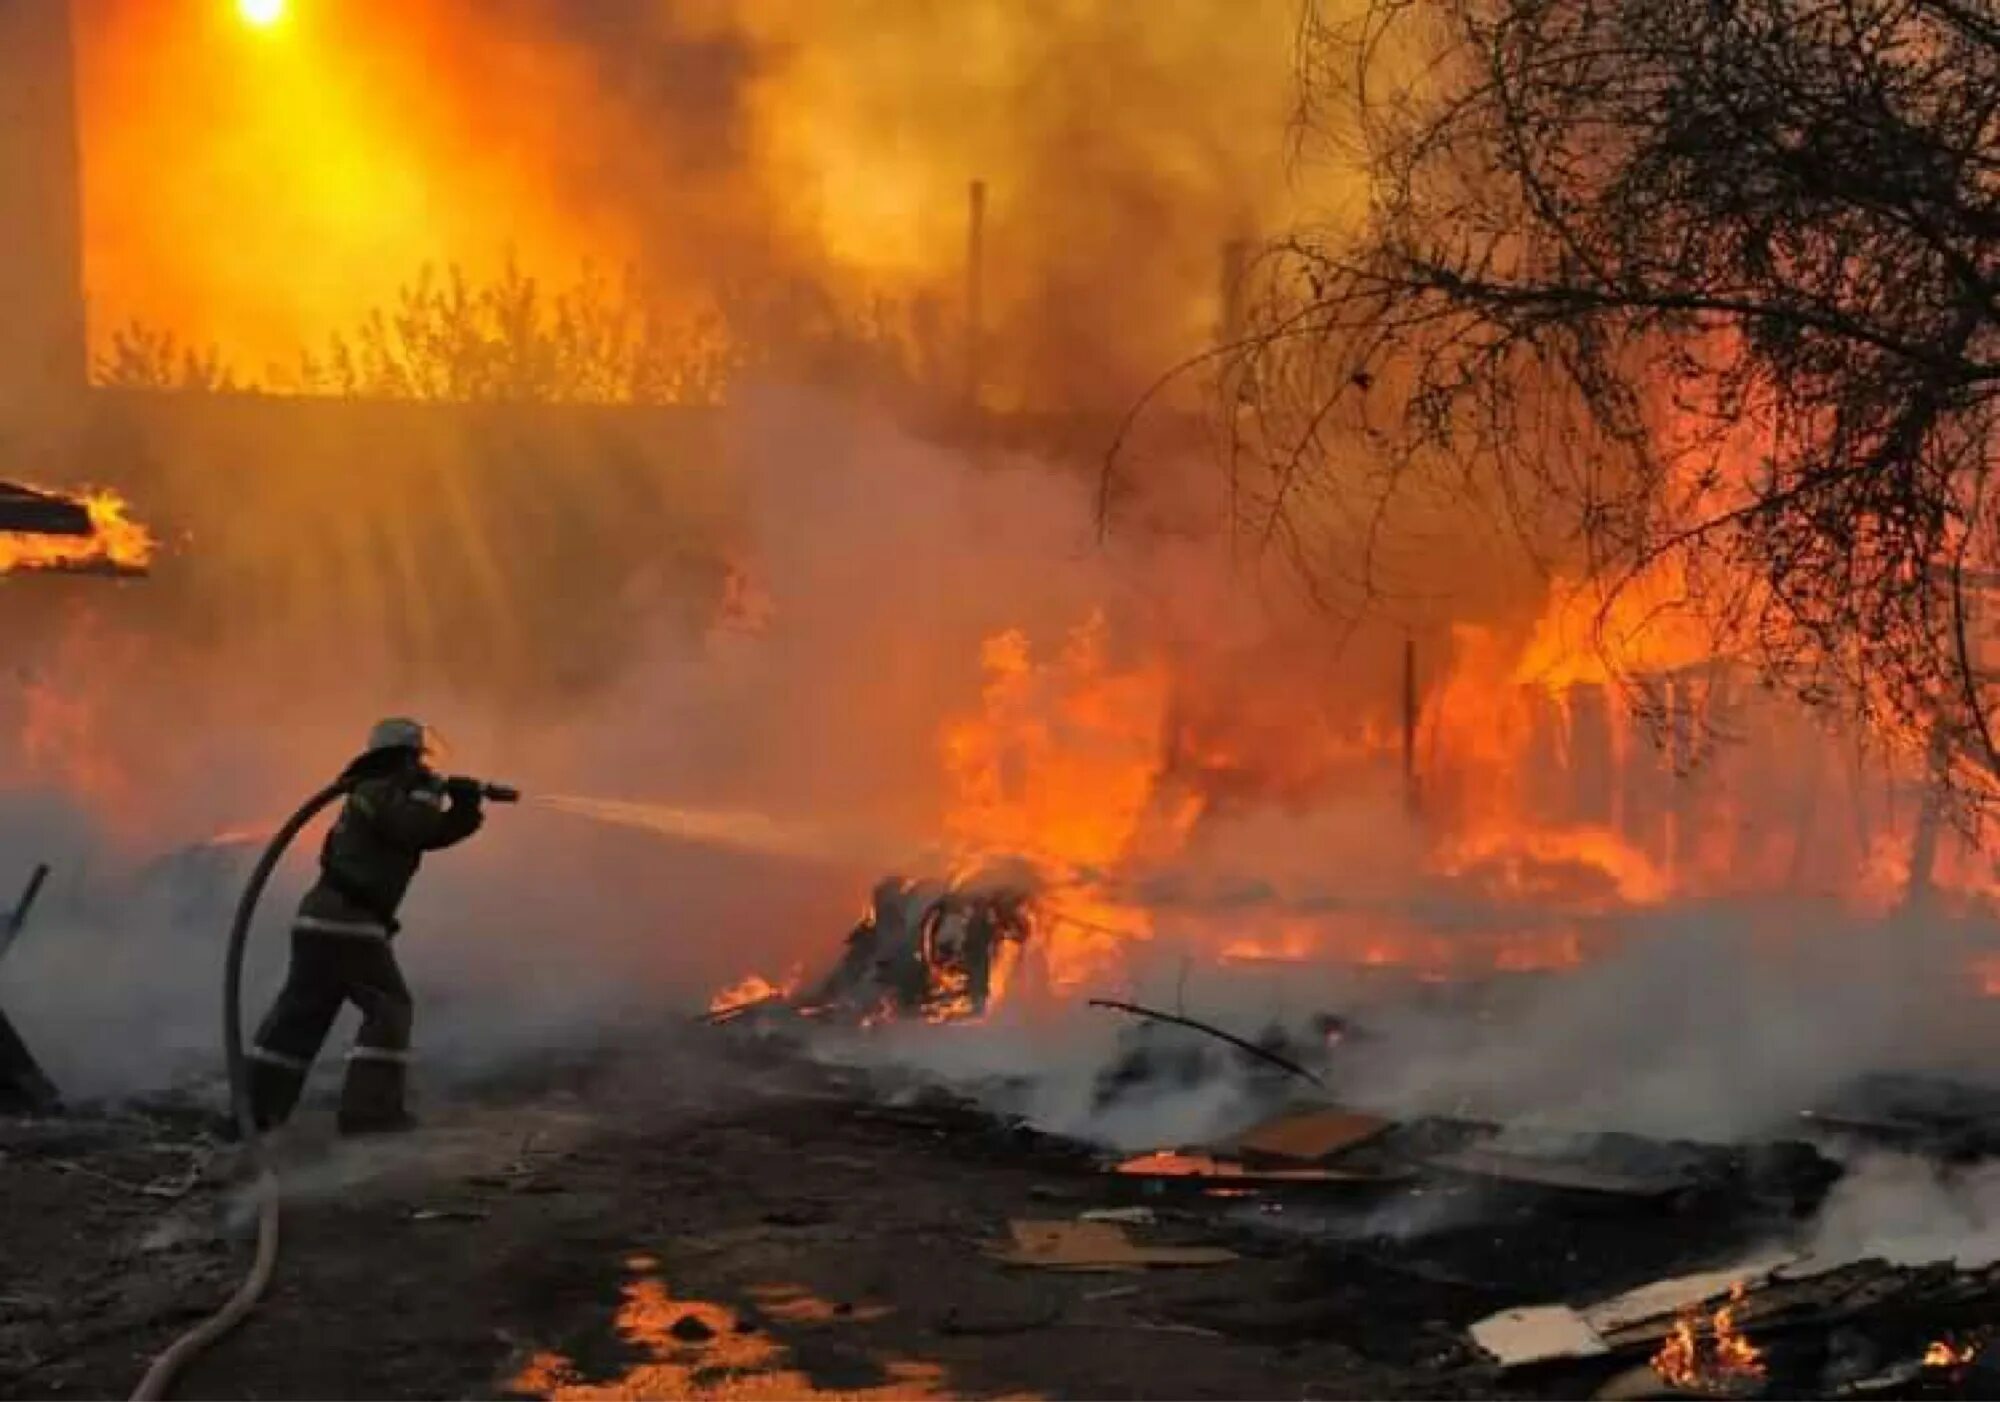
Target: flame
(1942, 1353)
(1063, 765)
(724, 1358)
(116, 542)
(1564, 780)
(59, 722)
(750, 990)
(1708, 1354)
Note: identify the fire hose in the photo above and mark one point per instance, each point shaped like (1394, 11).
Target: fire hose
(160, 1376)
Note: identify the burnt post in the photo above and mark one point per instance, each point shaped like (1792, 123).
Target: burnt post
(1230, 381)
(1930, 821)
(1235, 263)
(1410, 714)
(975, 293)
(19, 916)
(1590, 753)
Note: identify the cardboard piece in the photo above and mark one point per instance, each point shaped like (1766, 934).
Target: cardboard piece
(1537, 1334)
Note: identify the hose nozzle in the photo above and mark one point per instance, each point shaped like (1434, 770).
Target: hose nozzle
(491, 793)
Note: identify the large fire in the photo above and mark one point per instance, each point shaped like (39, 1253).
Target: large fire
(1594, 766)
(116, 544)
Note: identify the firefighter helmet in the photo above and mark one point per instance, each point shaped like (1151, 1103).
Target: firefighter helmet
(398, 733)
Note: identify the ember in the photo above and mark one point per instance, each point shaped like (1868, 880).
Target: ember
(116, 544)
(1944, 1354)
(1709, 1355)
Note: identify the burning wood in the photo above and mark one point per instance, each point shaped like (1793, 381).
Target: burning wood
(935, 950)
(1708, 1355)
(42, 535)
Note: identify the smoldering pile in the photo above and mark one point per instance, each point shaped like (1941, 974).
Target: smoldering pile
(934, 949)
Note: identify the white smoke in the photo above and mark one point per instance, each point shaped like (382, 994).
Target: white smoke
(1911, 1211)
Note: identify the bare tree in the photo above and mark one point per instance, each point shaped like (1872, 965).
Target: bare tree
(511, 339)
(1705, 287)
(151, 358)
(594, 341)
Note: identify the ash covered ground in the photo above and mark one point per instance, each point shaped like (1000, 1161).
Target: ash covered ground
(771, 1204)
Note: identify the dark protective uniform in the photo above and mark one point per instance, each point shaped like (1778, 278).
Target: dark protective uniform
(341, 953)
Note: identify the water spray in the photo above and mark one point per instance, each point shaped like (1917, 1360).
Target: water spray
(742, 829)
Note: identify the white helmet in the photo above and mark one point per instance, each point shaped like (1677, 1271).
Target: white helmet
(398, 733)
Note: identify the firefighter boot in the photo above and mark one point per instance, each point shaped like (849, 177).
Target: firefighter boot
(371, 1099)
(274, 1088)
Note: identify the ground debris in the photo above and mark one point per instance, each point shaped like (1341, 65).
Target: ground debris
(997, 1320)
(1095, 1247)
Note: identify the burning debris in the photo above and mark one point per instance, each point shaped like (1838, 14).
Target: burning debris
(41, 532)
(1708, 1354)
(936, 950)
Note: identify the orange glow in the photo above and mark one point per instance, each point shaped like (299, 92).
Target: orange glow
(117, 544)
(339, 141)
(261, 14)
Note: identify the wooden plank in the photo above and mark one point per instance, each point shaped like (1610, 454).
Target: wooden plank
(1669, 1297)
(1307, 1136)
(24, 509)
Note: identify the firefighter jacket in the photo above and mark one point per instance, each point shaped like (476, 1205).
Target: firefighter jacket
(373, 852)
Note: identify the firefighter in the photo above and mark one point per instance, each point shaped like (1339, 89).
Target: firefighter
(398, 809)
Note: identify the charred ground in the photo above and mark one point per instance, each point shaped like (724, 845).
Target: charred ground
(711, 1214)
